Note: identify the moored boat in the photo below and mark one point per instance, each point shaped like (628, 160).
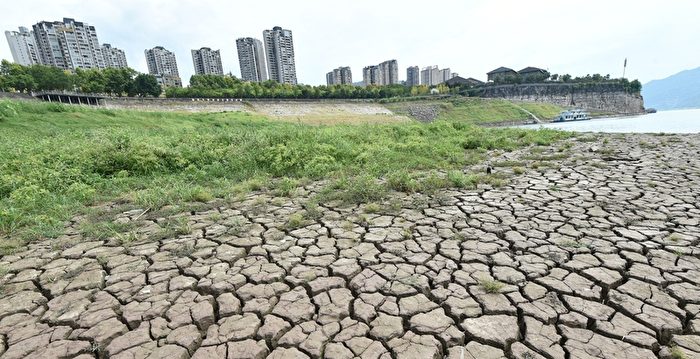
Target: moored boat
(572, 115)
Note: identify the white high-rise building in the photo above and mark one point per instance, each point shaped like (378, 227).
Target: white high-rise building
(339, 76)
(68, 44)
(207, 62)
(251, 58)
(433, 76)
(22, 46)
(386, 73)
(113, 56)
(279, 48)
(162, 64)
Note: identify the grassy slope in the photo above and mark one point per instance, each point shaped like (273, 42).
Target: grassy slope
(56, 160)
(483, 111)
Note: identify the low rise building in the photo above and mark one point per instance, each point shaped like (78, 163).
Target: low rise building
(500, 74)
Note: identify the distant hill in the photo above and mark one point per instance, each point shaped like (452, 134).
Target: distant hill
(681, 90)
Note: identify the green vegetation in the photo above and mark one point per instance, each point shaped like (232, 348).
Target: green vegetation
(41, 78)
(57, 160)
(482, 111)
(677, 353)
(491, 286)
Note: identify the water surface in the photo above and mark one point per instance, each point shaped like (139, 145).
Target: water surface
(676, 121)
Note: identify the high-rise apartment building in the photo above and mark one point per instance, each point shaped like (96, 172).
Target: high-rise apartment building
(207, 62)
(413, 76)
(68, 44)
(113, 56)
(279, 50)
(386, 73)
(390, 72)
(432, 75)
(445, 74)
(22, 46)
(162, 64)
(251, 58)
(339, 76)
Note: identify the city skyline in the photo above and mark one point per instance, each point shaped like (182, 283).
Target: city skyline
(650, 36)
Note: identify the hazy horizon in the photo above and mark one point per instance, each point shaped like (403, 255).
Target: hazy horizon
(471, 38)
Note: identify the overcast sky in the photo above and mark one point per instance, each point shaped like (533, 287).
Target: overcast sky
(470, 37)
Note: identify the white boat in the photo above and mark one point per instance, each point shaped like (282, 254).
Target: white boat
(572, 115)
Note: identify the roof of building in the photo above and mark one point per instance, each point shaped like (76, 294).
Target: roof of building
(530, 69)
(500, 70)
(458, 80)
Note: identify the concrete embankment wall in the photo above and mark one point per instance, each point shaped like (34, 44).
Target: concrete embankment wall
(274, 108)
(167, 104)
(601, 97)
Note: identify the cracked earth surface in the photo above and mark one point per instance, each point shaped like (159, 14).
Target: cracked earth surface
(593, 256)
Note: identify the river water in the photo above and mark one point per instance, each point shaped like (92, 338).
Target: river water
(677, 121)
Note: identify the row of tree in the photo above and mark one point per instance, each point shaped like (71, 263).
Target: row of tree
(229, 86)
(116, 82)
(633, 86)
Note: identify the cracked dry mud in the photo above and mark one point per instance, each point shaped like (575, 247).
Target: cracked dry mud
(597, 254)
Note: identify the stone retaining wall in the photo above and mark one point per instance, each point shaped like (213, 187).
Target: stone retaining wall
(602, 97)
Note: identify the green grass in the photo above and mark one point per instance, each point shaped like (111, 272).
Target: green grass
(491, 286)
(484, 111)
(57, 160)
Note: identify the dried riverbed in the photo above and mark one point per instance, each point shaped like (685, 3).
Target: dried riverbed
(592, 252)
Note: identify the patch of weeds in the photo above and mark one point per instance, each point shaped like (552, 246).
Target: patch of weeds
(494, 181)
(347, 225)
(407, 233)
(459, 180)
(678, 253)
(360, 189)
(571, 244)
(460, 237)
(394, 205)
(554, 188)
(259, 205)
(286, 187)
(127, 239)
(3, 271)
(236, 225)
(508, 163)
(295, 221)
(103, 230)
(176, 226)
(214, 216)
(419, 202)
(402, 181)
(676, 353)
(491, 286)
(518, 170)
(312, 210)
(674, 237)
(432, 183)
(199, 194)
(277, 202)
(372, 208)
(552, 157)
(363, 220)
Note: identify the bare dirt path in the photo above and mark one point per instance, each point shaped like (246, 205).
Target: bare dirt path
(591, 255)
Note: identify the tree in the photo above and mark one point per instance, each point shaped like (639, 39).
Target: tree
(566, 78)
(145, 85)
(118, 81)
(90, 81)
